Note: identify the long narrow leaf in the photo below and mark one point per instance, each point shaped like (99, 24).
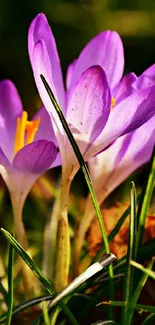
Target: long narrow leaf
(48, 286)
(128, 279)
(10, 285)
(114, 232)
(149, 319)
(80, 160)
(145, 201)
(86, 175)
(130, 310)
(139, 307)
(24, 306)
(143, 269)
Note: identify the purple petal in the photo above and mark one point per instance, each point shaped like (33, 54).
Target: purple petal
(69, 74)
(10, 109)
(42, 66)
(3, 160)
(136, 154)
(46, 132)
(40, 31)
(89, 103)
(127, 116)
(106, 49)
(146, 79)
(35, 158)
(111, 167)
(124, 88)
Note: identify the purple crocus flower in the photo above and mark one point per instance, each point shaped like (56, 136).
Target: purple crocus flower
(112, 166)
(27, 149)
(92, 82)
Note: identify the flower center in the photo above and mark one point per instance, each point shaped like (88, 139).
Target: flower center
(113, 103)
(25, 131)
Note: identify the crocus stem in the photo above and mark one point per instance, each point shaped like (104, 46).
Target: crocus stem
(17, 206)
(63, 240)
(50, 240)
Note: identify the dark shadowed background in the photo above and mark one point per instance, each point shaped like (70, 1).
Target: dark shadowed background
(74, 23)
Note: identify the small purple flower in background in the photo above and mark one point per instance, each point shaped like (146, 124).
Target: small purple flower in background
(27, 149)
(92, 84)
(112, 166)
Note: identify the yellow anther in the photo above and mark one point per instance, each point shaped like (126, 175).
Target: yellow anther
(31, 129)
(113, 103)
(24, 126)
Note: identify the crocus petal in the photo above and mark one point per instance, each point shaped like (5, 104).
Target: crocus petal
(69, 74)
(127, 116)
(3, 160)
(124, 88)
(35, 158)
(111, 167)
(89, 103)
(137, 153)
(10, 109)
(46, 132)
(40, 30)
(42, 66)
(146, 79)
(106, 49)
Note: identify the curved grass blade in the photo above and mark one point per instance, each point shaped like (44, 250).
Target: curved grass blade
(143, 269)
(45, 313)
(138, 307)
(86, 175)
(80, 160)
(105, 322)
(114, 232)
(30, 303)
(145, 201)
(10, 285)
(128, 279)
(130, 310)
(149, 319)
(47, 284)
(89, 272)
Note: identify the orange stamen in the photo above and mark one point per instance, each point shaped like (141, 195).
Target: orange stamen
(31, 129)
(113, 103)
(23, 125)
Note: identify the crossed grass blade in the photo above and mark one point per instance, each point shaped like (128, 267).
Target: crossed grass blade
(131, 253)
(138, 307)
(85, 171)
(37, 272)
(145, 200)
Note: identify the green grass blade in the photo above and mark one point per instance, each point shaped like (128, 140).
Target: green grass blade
(139, 307)
(24, 306)
(10, 285)
(145, 201)
(45, 313)
(105, 322)
(149, 319)
(86, 175)
(128, 278)
(143, 269)
(130, 310)
(47, 284)
(80, 159)
(114, 232)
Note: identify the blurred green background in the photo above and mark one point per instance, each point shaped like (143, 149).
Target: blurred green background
(74, 23)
